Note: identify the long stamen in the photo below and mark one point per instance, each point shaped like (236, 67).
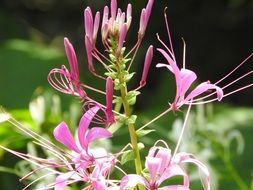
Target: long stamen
(134, 55)
(168, 30)
(226, 86)
(166, 47)
(184, 52)
(156, 118)
(244, 61)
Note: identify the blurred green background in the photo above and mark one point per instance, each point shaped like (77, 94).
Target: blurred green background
(218, 36)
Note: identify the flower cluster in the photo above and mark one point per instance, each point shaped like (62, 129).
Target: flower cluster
(93, 167)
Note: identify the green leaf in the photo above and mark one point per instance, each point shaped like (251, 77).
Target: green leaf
(127, 156)
(142, 133)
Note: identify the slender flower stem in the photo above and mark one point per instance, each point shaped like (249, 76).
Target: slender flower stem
(182, 131)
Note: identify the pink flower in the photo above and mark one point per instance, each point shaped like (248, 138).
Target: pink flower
(162, 166)
(65, 81)
(83, 157)
(184, 79)
(85, 136)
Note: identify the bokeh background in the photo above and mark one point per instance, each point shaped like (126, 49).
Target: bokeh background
(218, 35)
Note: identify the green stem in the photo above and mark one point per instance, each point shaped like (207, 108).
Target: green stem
(132, 132)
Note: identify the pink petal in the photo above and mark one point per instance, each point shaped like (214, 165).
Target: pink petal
(142, 26)
(187, 78)
(159, 65)
(88, 23)
(129, 15)
(61, 181)
(84, 124)
(153, 164)
(172, 63)
(174, 170)
(131, 181)
(148, 10)
(89, 48)
(63, 135)
(105, 16)
(71, 55)
(113, 8)
(109, 98)
(96, 133)
(148, 59)
(122, 36)
(95, 28)
(203, 87)
(188, 158)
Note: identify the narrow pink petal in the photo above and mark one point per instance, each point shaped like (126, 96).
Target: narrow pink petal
(95, 28)
(203, 87)
(113, 8)
(109, 98)
(71, 55)
(153, 164)
(89, 48)
(88, 22)
(188, 158)
(187, 78)
(148, 59)
(174, 170)
(63, 135)
(142, 24)
(122, 36)
(130, 181)
(61, 182)
(96, 133)
(165, 155)
(159, 65)
(172, 63)
(84, 124)
(129, 15)
(105, 16)
(149, 9)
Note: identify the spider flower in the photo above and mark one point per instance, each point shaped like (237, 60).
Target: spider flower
(161, 167)
(64, 80)
(85, 137)
(184, 79)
